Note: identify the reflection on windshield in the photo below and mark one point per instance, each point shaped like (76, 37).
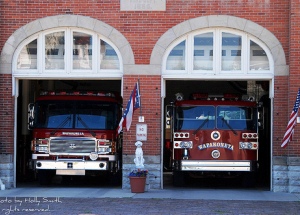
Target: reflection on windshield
(220, 117)
(79, 115)
(237, 118)
(193, 117)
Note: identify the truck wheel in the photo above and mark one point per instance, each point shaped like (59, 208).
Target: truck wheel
(45, 177)
(178, 178)
(115, 178)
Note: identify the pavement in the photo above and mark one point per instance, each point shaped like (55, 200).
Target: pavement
(81, 196)
(166, 193)
(82, 200)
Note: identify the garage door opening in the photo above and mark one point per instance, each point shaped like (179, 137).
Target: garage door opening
(68, 132)
(217, 134)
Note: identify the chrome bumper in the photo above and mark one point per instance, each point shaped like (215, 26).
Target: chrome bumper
(71, 165)
(189, 165)
(109, 157)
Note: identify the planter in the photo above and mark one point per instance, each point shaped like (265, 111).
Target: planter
(137, 184)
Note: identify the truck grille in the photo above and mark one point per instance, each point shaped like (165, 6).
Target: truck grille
(72, 145)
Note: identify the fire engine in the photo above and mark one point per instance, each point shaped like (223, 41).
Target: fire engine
(74, 133)
(212, 136)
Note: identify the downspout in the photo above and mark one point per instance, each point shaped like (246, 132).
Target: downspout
(162, 134)
(15, 88)
(271, 96)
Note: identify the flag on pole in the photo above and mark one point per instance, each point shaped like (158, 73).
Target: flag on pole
(133, 104)
(292, 122)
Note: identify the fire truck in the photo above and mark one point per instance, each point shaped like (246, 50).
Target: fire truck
(74, 133)
(212, 136)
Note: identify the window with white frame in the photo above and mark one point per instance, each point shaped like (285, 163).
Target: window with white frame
(67, 51)
(27, 58)
(203, 51)
(217, 51)
(176, 58)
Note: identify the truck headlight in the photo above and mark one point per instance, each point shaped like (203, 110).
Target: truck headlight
(248, 145)
(186, 144)
(104, 150)
(93, 156)
(41, 148)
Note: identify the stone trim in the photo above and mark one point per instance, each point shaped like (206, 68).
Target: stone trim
(247, 26)
(142, 69)
(280, 67)
(7, 170)
(50, 22)
(286, 174)
(152, 164)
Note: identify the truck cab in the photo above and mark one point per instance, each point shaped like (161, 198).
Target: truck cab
(74, 133)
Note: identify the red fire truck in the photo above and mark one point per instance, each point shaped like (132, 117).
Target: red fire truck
(212, 136)
(74, 133)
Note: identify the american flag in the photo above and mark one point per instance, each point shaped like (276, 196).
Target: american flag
(133, 104)
(292, 122)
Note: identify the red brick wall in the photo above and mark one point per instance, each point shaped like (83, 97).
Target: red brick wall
(143, 29)
(294, 78)
(281, 113)
(6, 115)
(150, 89)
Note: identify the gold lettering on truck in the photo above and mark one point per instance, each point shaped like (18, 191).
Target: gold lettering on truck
(216, 145)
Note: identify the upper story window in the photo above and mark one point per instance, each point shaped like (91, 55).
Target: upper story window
(27, 58)
(231, 53)
(69, 51)
(176, 58)
(54, 51)
(217, 51)
(203, 51)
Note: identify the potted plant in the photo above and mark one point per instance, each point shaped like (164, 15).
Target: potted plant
(137, 179)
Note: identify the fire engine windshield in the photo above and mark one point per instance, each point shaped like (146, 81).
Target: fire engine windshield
(219, 117)
(76, 115)
(237, 118)
(195, 117)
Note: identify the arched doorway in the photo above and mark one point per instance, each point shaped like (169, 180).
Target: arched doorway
(210, 54)
(61, 52)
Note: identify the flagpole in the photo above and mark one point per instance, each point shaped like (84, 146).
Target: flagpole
(140, 97)
(291, 123)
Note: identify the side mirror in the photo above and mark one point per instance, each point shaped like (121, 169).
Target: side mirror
(168, 116)
(30, 116)
(260, 116)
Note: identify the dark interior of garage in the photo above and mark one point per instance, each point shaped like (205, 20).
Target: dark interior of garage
(260, 90)
(28, 90)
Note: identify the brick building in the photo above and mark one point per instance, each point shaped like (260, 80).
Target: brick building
(152, 41)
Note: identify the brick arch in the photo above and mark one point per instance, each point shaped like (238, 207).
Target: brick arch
(247, 26)
(46, 23)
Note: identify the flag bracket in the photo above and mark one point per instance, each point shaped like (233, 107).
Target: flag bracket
(141, 119)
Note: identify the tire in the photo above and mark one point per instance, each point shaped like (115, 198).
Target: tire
(45, 177)
(249, 179)
(179, 179)
(115, 178)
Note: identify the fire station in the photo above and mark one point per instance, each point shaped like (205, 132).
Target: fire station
(176, 51)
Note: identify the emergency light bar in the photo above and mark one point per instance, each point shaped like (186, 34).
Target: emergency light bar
(76, 93)
(200, 96)
(225, 96)
(231, 96)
